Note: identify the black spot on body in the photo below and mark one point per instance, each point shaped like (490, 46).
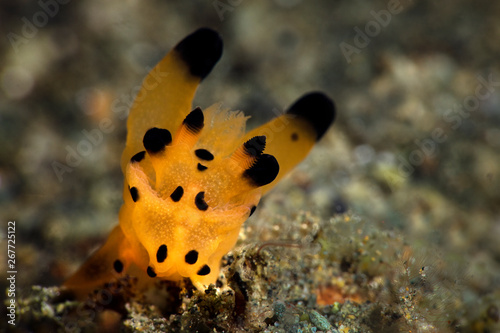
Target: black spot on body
(134, 193)
(177, 194)
(263, 171)
(204, 154)
(199, 201)
(201, 167)
(156, 139)
(252, 210)
(118, 266)
(138, 157)
(205, 270)
(162, 253)
(317, 109)
(294, 136)
(255, 146)
(151, 272)
(191, 257)
(200, 51)
(194, 120)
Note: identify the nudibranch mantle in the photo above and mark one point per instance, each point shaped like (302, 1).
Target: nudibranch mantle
(192, 176)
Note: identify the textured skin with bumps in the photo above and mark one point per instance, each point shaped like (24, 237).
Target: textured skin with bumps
(192, 176)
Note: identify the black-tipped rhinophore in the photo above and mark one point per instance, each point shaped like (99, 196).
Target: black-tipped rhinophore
(156, 139)
(195, 120)
(255, 146)
(201, 50)
(263, 171)
(317, 109)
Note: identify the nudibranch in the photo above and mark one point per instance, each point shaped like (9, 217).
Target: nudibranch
(192, 176)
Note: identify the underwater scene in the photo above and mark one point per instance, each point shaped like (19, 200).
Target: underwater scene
(250, 166)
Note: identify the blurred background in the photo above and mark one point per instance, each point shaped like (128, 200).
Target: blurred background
(415, 147)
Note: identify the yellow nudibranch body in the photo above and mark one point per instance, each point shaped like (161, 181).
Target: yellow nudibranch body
(192, 177)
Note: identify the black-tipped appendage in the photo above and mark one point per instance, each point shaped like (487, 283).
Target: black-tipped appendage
(255, 146)
(200, 51)
(263, 171)
(195, 120)
(156, 139)
(317, 109)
